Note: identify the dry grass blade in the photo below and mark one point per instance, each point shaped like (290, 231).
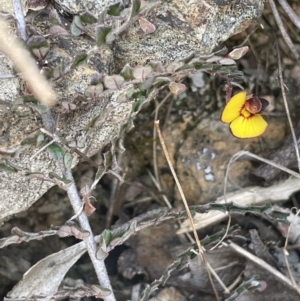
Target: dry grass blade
(186, 207)
(289, 11)
(282, 29)
(287, 107)
(25, 64)
(262, 264)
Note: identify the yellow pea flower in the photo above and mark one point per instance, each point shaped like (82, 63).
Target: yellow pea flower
(242, 112)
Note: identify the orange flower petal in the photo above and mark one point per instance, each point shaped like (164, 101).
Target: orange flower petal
(233, 108)
(250, 127)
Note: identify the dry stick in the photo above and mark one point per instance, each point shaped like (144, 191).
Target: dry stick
(90, 243)
(287, 107)
(289, 11)
(186, 206)
(19, 15)
(260, 263)
(282, 29)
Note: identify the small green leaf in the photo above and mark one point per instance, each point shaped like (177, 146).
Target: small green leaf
(198, 65)
(6, 168)
(38, 46)
(68, 160)
(107, 237)
(54, 17)
(100, 173)
(136, 5)
(107, 159)
(76, 26)
(126, 72)
(39, 139)
(59, 180)
(37, 107)
(114, 10)
(79, 59)
(29, 99)
(56, 151)
(248, 285)
(102, 32)
(161, 81)
(88, 18)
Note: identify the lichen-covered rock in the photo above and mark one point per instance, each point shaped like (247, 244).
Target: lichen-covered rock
(185, 28)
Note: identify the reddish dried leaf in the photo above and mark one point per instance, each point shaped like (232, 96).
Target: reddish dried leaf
(176, 88)
(146, 26)
(113, 82)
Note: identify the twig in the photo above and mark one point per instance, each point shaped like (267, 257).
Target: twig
(155, 166)
(186, 206)
(282, 29)
(289, 11)
(7, 76)
(260, 263)
(19, 15)
(90, 243)
(287, 107)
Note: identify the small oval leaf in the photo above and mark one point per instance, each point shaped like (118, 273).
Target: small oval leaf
(176, 88)
(56, 151)
(146, 26)
(238, 53)
(113, 82)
